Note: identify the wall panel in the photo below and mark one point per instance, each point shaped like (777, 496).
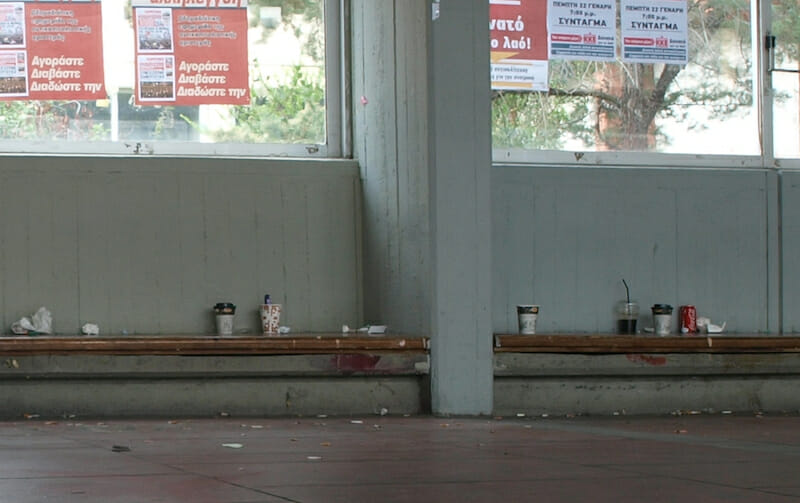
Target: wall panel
(149, 245)
(790, 213)
(566, 237)
(391, 143)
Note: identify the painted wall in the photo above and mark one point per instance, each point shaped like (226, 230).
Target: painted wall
(565, 238)
(422, 139)
(790, 258)
(149, 245)
(390, 88)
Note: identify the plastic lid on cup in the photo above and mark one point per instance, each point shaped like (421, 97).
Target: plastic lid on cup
(662, 309)
(224, 308)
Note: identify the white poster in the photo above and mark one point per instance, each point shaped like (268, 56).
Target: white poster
(13, 74)
(12, 25)
(154, 29)
(654, 31)
(156, 74)
(582, 30)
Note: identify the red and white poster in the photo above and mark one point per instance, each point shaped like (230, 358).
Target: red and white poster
(191, 52)
(518, 30)
(51, 50)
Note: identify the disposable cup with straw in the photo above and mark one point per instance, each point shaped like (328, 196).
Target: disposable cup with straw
(627, 313)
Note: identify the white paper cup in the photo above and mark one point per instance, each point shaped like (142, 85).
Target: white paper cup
(224, 324)
(663, 323)
(526, 318)
(270, 318)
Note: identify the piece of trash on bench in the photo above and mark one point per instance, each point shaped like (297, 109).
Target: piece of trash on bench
(40, 323)
(370, 329)
(704, 324)
(90, 329)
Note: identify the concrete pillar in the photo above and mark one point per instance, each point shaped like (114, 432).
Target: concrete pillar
(460, 162)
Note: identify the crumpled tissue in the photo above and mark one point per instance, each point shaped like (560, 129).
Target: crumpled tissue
(41, 323)
(704, 324)
(90, 329)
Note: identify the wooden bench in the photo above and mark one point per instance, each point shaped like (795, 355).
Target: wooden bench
(614, 343)
(210, 345)
(645, 374)
(201, 375)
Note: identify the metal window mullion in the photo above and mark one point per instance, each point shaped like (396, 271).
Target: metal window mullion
(762, 13)
(334, 56)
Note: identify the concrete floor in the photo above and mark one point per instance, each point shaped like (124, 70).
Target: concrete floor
(703, 458)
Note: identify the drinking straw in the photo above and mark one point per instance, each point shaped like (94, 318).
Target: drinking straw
(627, 290)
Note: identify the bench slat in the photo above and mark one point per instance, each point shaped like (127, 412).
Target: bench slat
(209, 345)
(612, 343)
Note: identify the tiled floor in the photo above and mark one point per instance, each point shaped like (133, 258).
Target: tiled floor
(693, 458)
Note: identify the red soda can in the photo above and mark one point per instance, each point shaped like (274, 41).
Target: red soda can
(688, 315)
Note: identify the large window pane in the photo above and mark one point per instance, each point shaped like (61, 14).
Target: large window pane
(785, 84)
(286, 48)
(705, 107)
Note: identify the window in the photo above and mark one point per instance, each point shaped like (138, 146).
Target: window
(785, 76)
(293, 54)
(713, 105)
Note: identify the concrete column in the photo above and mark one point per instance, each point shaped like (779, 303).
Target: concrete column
(460, 163)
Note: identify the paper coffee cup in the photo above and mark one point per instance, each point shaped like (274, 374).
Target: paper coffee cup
(662, 319)
(526, 318)
(224, 317)
(270, 318)
(224, 324)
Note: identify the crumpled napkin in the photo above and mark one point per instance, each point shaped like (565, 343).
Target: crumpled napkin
(704, 324)
(41, 323)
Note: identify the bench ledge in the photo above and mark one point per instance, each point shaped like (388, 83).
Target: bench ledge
(307, 343)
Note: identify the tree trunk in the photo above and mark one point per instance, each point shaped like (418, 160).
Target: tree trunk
(627, 122)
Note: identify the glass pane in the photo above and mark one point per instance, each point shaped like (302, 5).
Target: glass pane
(287, 80)
(786, 28)
(705, 107)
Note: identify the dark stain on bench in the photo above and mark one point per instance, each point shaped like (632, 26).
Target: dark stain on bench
(650, 360)
(355, 362)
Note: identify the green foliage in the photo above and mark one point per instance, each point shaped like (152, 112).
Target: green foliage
(291, 110)
(52, 120)
(165, 122)
(303, 17)
(720, 69)
(514, 112)
(786, 28)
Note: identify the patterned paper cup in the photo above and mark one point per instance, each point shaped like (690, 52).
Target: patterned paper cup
(270, 318)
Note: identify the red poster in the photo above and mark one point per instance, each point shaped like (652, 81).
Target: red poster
(51, 50)
(518, 30)
(191, 52)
